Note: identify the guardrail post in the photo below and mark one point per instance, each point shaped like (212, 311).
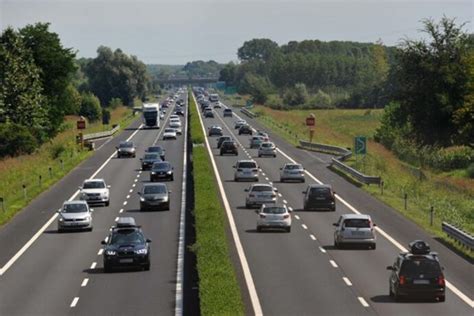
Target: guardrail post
(24, 191)
(39, 180)
(405, 197)
(431, 215)
(62, 164)
(3, 203)
(50, 172)
(381, 187)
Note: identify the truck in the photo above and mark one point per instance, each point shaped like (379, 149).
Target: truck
(151, 116)
(213, 97)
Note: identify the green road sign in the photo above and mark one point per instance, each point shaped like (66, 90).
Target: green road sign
(248, 104)
(360, 146)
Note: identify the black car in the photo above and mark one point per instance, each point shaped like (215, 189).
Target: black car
(215, 131)
(227, 112)
(245, 129)
(229, 147)
(149, 159)
(417, 274)
(157, 149)
(222, 139)
(319, 197)
(161, 171)
(179, 111)
(208, 113)
(154, 196)
(126, 246)
(126, 149)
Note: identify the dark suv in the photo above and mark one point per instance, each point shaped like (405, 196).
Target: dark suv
(126, 246)
(319, 197)
(162, 170)
(229, 147)
(417, 274)
(245, 129)
(157, 149)
(154, 196)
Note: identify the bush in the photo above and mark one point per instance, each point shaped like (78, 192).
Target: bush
(16, 139)
(450, 158)
(470, 171)
(296, 95)
(90, 107)
(56, 150)
(115, 103)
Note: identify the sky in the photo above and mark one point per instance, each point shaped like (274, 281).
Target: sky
(179, 31)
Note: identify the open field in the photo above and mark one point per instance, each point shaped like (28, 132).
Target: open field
(51, 162)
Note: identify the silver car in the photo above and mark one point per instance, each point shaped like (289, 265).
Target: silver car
(354, 229)
(259, 194)
(75, 215)
(273, 216)
(126, 149)
(292, 171)
(267, 149)
(95, 191)
(246, 170)
(256, 141)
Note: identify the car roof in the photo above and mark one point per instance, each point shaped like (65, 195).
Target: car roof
(320, 186)
(154, 184)
(261, 185)
(355, 216)
(246, 160)
(94, 180)
(292, 164)
(75, 202)
(125, 222)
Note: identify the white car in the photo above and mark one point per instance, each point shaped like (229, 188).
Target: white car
(274, 216)
(354, 229)
(174, 117)
(267, 149)
(175, 123)
(259, 194)
(75, 215)
(239, 123)
(95, 191)
(246, 170)
(292, 171)
(169, 133)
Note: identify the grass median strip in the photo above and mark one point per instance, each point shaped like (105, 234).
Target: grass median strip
(219, 291)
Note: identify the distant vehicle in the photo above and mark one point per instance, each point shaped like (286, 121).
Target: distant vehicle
(354, 229)
(215, 131)
(256, 141)
(213, 97)
(267, 149)
(319, 197)
(75, 215)
(239, 123)
(222, 139)
(149, 159)
(175, 122)
(227, 112)
(417, 274)
(259, 194)
(161, 171)
(208, 113)
(95, 191)
(217, 105)
(154, 196)
(126, 246)
(265, 136)
(245, 129)
(246, 170)
(126, 149)
(169, 133)
(229, 147)
(157, 149)
(174, 116)
(179, 111)
(292, 171)
(150, 114)
(273, 216)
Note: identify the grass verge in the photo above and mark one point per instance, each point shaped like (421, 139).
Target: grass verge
(219, 291)
(51, 162)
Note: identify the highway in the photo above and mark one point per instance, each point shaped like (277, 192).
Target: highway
(46, 273)
(301, 272)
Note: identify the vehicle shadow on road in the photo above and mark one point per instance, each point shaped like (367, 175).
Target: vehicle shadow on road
(382, 299)
(72, 231)
(388, 299)
(265, 231)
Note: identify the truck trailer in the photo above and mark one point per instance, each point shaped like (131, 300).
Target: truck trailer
(151, 116)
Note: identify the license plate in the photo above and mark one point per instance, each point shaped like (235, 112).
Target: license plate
(357, 233)
(421, 281)
(127, 260)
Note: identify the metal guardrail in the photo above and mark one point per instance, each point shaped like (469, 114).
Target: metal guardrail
(101, 134)
(458, 235)
(248, 113)
(343, 152)
(354, 173)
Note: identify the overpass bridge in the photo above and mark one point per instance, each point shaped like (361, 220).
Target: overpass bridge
(180, 81)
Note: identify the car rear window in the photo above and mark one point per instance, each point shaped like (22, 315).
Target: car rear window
(155, 149)
(151, 156)
(169, 130)
(267, 145)
(161, 166)
(274, 210)
(414, 267)
(127, 236)
(153, 189)
(94, 185)
(126, 145)
(247, 165)
(320, 192)
(75, 208)
(293, 167)
(357, 223)
(227, 110)
(261, 188)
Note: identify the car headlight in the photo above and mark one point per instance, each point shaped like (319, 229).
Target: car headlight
(142, 199)
(105, 194)
(110, 252)
(170, 172)
(143, 251)
(153, 172)
(61, 219)
(88, 218)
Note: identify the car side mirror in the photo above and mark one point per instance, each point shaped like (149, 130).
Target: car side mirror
(233, 167)
(169, 192)
(335, 224)
(139, 193)
(141, 159)
(80, 188)
(246, 190)
(275, 189)
(390, 268)
(290, 211)
(148, 240)
(109, 186)
(304, 192)
(374, 224)
(116, 147)
(103, 242)
(281, 168)
(257, 211)
(91, 210)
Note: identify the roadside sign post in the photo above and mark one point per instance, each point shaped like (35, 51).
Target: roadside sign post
(249, 104)
(360, 148)
(3, 203)
(311, 122)
(81, 124)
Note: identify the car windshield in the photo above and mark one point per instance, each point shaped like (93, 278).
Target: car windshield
(227, 110)
(414, 267)
(247, 165)
(228, 144)
(126, 145)
(127, 237)
(154, 189)
(261, 188)
(161, 166)
(151, 156)
(169, 130)
(155, 149)
(94, 185)
(267, 145)
(274, 210)
(357, 223)
(75, 208)
(321, 192)
(293, 167)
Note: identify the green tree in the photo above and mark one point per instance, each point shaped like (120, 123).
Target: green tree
(296, 95)
(257, 49)
(16, 139)
(259, 88)
(90, 107)
(71, 99)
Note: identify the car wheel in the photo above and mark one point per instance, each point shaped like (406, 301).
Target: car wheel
(274, 156)
(397, 297)
(374, 246)
(107, 268)
(303, 181)
(442, 298)
(221, 154)
(288, 229)
(390, 292)
(236, 179)
(107, 203)
(259, 229)
(146, 267)
(259, 156)
(172, 178)
(60, 230)
(247, 205)
(90, 229)
(336, 244)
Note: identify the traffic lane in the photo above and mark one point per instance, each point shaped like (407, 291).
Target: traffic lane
(264, 250)
(369, 262)
(392, 222)
(162, 228)
(15, 234)
(53, 265)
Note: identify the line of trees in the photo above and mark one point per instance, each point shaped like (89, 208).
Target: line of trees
(41, 81)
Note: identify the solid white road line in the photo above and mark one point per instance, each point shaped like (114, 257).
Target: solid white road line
(74, 302)
(362, 301)
(312, 237)
(93, 265)
(322, 249)
(347, 281)
(178, 311)
(257, 309)
(100, 252)
(333, 263)
(84, 282)
(449, 285)
(304, 226)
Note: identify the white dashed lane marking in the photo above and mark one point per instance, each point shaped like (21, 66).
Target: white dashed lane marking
(125, 203)
(347, 281)
(285, 201)
(74, 302)
(131, 190)
(128, 196)
(93, 265)
(134, 185)
(363, 302)
(312, 237)
(304, 226)
(297, 217)
(121, 210)
(101, 251)
(116, 219)
(333, 263)
(322, 249)
(84, 282)
(136, 180)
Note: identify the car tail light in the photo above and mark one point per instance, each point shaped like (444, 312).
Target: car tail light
(262, 216)
(286, 216)
(402, 280)
(441, 280)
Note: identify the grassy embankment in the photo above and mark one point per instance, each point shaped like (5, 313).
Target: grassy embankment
(27, 169)
(452, 197)
(219, 292)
